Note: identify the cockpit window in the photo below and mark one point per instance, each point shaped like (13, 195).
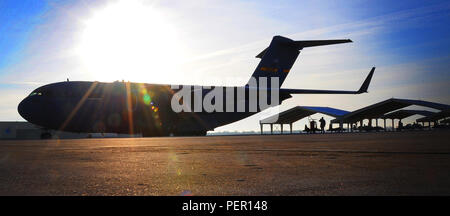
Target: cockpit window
(42, 92)
(35, 93)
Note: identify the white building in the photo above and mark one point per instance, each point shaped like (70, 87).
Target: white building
(26, 130)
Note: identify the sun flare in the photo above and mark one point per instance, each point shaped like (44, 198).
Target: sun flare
(128, 40)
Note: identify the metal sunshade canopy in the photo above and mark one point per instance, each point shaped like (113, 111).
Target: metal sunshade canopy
(435, 117)
(379, 109)
(296, 113)
(401, 114)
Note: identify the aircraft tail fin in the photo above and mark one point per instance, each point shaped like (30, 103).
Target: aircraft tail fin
(278, 59)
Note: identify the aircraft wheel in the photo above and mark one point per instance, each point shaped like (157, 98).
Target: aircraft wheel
(146, 134)
(46, 135)
(201, 133)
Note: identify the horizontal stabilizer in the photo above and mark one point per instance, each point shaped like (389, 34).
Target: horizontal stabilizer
(309, 43)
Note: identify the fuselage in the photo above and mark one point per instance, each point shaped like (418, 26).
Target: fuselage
(123, 107)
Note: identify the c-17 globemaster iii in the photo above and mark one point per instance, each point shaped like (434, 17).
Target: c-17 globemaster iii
(162, 110)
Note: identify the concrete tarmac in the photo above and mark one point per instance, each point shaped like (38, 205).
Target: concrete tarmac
(400, 163)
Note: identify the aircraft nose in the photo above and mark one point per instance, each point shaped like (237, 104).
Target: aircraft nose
(24, 109)
(36, 110)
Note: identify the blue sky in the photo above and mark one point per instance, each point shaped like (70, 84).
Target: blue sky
(17, 20)
(408, 41)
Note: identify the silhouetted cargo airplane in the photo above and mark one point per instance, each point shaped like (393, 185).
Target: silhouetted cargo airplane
(131, 108)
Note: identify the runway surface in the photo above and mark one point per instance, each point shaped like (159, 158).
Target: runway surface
(401, 163)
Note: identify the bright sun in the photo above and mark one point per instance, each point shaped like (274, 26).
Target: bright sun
(129, 40)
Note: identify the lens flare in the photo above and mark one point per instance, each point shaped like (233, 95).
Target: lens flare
(147, 99)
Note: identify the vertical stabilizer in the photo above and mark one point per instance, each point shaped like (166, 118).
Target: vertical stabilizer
(278, 59)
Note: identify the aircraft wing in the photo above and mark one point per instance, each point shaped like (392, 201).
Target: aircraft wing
(362, 89)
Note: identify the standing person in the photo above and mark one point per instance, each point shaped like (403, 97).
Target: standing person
(400, 125)
(315, 126)
(322, 125)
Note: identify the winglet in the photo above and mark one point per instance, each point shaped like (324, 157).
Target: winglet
(366, 82)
